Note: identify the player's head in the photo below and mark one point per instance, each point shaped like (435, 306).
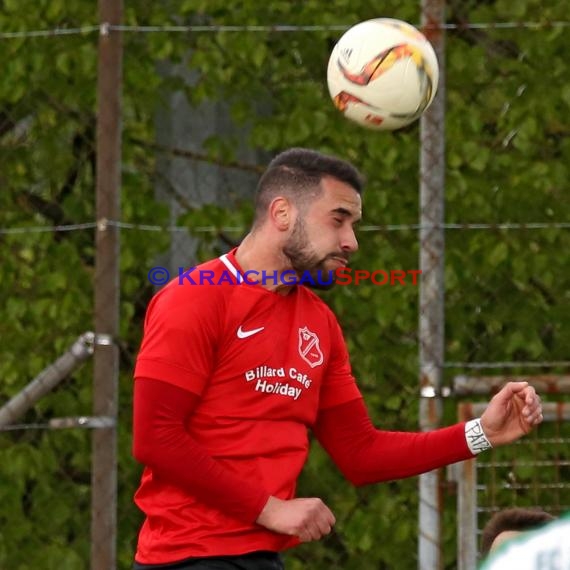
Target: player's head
(313, 200)
(509, 523)
(297, 173)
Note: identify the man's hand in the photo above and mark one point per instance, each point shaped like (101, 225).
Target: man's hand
(512, 413)
(309, 519)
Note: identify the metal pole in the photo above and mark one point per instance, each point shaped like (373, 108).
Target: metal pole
(431, 319)
(106, 365)
(466, 506)
(542, 383)
(47, 379)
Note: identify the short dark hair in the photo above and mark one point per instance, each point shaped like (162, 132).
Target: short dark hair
(297, 173)
(517, 519)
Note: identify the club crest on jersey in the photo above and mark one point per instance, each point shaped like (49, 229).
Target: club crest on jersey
(309, 347)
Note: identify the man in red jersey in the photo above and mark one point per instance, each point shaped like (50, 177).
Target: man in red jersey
(233, 371)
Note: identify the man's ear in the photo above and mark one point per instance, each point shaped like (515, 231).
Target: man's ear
(281, 213)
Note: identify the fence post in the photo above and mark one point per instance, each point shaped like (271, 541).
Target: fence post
(466, 505)
(431, 318)
(106, 358)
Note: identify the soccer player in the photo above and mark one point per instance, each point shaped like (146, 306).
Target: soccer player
(237, 364)
(508, 523)
(544, 548)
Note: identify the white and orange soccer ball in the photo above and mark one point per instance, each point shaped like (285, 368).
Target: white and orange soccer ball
(382, 74)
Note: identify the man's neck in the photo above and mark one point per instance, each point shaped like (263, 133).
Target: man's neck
(257, 253)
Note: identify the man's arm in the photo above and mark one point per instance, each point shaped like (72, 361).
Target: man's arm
(161, 442)
(366, 455)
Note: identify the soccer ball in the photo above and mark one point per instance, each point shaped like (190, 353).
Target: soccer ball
(382, 74)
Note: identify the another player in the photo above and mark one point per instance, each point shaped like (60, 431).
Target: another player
(509, 523)
(231, 376)
(546, 548)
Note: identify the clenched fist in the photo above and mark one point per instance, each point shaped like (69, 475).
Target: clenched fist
(308, 519)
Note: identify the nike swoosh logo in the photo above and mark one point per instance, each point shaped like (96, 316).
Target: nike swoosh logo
(244, 334)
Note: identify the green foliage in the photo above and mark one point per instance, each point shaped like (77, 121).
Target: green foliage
(507, 291)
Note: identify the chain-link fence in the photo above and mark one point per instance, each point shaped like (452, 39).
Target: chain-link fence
(206, 101)
(531, 473)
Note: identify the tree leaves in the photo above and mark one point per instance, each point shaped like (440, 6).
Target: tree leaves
(507, 155)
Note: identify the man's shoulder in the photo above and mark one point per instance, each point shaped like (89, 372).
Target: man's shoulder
(316, 303)
(207, 274)
(204, 284)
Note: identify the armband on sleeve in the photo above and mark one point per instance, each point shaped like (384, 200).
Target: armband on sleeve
(476, 439)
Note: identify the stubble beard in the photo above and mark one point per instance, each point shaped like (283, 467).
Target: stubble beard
(304, 260)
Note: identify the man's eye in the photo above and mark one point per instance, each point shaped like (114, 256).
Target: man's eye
(338, 221)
